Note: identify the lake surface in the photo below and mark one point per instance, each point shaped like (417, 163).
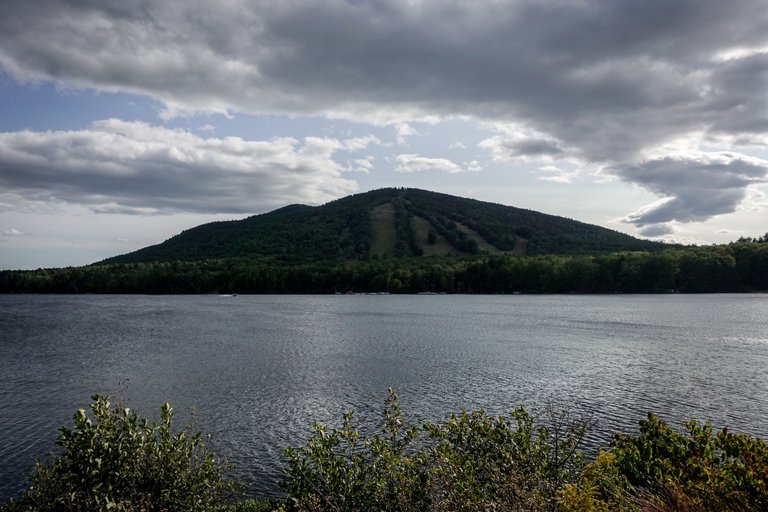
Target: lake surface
(260, 369)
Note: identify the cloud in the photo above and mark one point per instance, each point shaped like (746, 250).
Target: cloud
(13, 232)
(656, 230)
(131, 167)
(694, 186)
(404, 130)
(415, 163)
(604, 81)
(473, 166)
(741, 111)
(360, 143)
(556, 174)
(517, 147)
(573, 70)
(361, 165)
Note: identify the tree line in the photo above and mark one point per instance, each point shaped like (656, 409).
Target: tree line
(736, 267)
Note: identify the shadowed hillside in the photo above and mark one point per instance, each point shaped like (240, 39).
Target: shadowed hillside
(388, 223)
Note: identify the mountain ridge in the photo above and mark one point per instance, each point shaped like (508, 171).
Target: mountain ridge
(388, 222)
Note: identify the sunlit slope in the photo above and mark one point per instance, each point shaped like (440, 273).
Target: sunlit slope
(388, 223)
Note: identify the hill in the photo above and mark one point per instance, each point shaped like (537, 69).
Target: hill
(388, 222)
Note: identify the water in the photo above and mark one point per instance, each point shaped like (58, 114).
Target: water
(259, 369)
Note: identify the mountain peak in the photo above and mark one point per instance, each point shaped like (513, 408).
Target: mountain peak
(388, 222)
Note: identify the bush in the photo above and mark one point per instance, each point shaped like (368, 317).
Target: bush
(471, 462)
(342, 469)
(600, 488)
(483, 462)
(722, 471)
(118, 461)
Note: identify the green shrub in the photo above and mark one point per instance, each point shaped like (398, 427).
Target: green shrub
(600, 488)
(483, 462)
(471, 462)
(118, 461)
(722, 471)
(342, 469)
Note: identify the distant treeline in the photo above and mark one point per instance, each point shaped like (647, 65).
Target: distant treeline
(737, 267)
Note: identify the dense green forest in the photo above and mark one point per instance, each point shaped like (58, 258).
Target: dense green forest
(388, 222)
(737, 267)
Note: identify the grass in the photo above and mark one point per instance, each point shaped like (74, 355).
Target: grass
(481, 242)
(384, 235)
(441, 247)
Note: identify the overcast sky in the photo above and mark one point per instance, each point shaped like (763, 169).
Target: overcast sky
(123, 122)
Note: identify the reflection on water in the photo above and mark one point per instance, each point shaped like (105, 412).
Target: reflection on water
(260, 369)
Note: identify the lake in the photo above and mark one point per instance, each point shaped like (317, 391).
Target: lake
(259, 369)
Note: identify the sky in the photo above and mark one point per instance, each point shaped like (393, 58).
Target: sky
(124, 122)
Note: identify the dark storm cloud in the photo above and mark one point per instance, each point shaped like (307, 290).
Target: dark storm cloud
(516, 146)
(532, 148)
(608, 79)
(747, 81)
(544, 61)
(696, 187)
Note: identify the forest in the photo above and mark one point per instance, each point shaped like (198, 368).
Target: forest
(741, 266)
(345, 230)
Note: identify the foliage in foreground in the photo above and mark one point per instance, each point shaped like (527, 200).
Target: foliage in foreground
(119, 461)
(477, 462)
(470, 462)
(703, 469)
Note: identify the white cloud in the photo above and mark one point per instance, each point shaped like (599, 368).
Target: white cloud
(13, 232)
(131, 167)
(415, 163)
(404, 130)
(361, 165)
(738, 52)
(556, 174)
(360, 143)
(473, 166)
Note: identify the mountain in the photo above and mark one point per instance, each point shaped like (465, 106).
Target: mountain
(395, 222)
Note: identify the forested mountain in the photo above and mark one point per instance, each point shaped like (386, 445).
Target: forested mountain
(388, 222)
(408, 241)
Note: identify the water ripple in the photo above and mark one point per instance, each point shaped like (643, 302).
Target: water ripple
(260, 369)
